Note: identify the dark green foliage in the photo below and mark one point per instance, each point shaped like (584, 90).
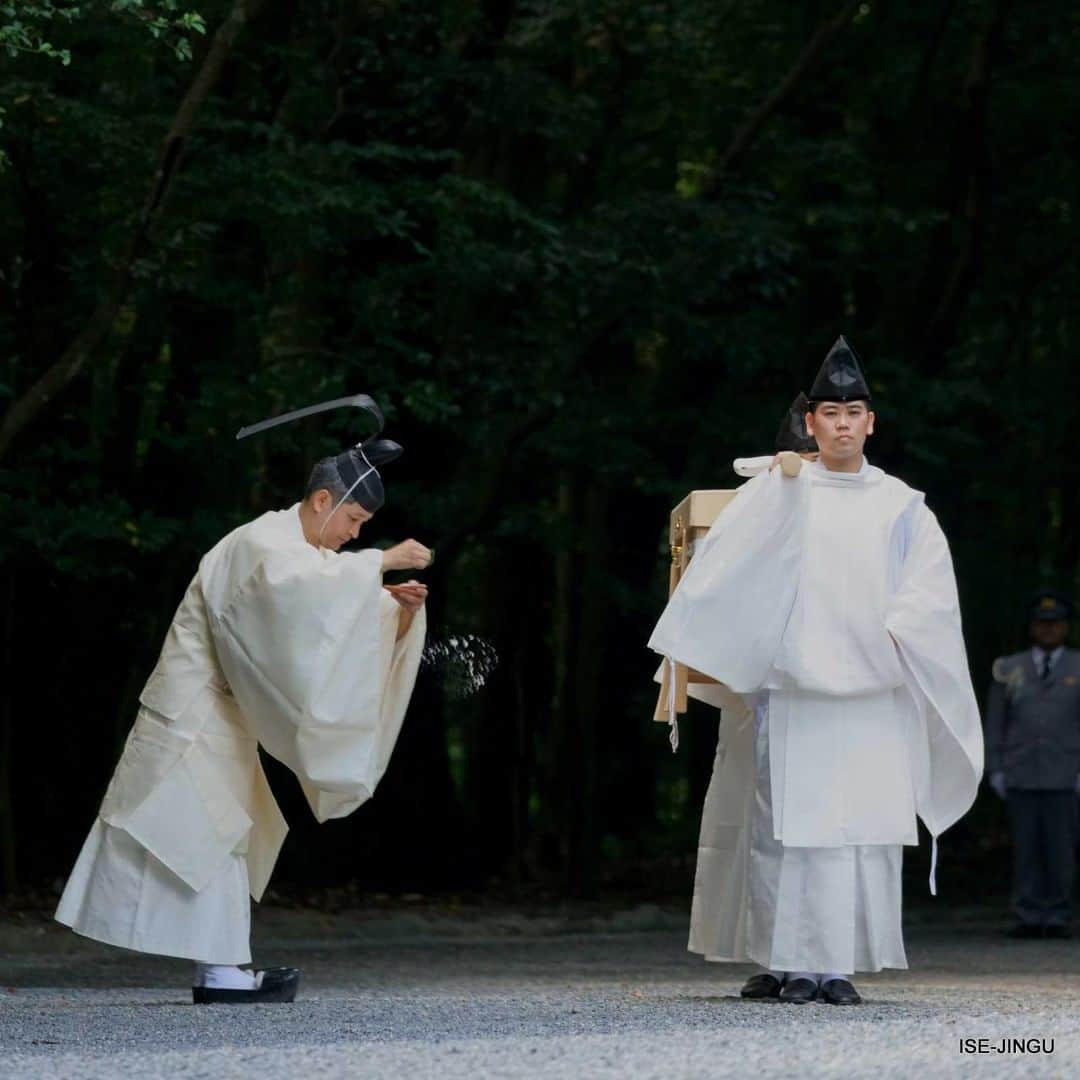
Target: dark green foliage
(506, 222)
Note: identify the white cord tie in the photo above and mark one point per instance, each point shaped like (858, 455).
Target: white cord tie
(371, 469)
(672, 719)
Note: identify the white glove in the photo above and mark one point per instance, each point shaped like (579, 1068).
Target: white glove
(997, 782)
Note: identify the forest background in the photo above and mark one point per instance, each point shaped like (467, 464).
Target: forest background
(584, 254)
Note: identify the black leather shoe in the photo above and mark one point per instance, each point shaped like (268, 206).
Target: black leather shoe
(1058, 931)
(840, 992)
(761, 986)
(799, 991)
(276, 985)
(1025, 930)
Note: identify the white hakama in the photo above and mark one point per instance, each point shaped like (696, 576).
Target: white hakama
(122, 894)
(835, 909)
(822, 909)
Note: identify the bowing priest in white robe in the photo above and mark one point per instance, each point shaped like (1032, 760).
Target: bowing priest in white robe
(825, 606)
(280, 641)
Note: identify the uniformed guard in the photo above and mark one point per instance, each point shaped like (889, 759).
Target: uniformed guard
(1033, 763)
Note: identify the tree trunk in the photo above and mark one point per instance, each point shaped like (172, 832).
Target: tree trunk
(779, 96)
(579, 625)
(972, 170)
(587, 662)
(8, 865)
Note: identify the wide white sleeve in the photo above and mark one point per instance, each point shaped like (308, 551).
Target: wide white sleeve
(727, 616)
(924, 621)
(399, 661)
(304, 644)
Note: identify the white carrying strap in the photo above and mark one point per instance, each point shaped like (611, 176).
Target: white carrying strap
(752, 466)
(371, 469)
(933, 866)
(673, 722)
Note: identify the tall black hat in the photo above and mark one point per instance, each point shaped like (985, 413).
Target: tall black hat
(793, 434)
(840, 377)
(358, 467)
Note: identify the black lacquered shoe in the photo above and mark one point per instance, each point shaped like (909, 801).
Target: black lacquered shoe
(799, 991)
(840, 992)
(760, 987)
(276, 985)
(1058, 931)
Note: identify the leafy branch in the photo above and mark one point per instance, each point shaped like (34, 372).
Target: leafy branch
(27, 27)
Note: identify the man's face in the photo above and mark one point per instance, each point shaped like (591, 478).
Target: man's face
(841, 428)
(338, 526)
(1048, 634)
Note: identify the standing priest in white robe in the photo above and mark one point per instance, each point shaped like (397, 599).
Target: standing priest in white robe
(280, 641)
(826, 606)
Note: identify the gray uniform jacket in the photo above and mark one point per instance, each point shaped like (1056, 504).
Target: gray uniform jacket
(1033, 727)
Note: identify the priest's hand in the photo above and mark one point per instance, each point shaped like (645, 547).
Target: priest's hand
(790, 463)
(411, 595)
(997, 782)
(408, 555)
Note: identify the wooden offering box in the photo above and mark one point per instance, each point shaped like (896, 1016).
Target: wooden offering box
(690, 521)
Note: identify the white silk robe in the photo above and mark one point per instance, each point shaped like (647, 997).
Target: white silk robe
(276, 643)
(830, 599)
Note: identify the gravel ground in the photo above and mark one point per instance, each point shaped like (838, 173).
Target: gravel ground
(506, 995)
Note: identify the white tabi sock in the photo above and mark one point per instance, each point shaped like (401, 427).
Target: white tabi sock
(793, 975)
(225, 977)
(828, 976)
